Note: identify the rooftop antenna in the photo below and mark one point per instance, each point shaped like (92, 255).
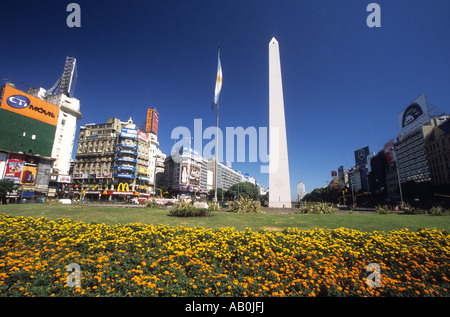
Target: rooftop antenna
(66, 83)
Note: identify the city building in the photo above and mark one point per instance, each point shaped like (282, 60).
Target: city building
(62, 95)
(358, 175)
(27, 124)
(30, 174)
(413, 159)
(116, 159)
(226, 176)
(358, 179)
(186, 171)
(95, 154)
(66, 128)
(301, 192)
(42, 123)
(160, 157)
(437, 146)
(377, 176)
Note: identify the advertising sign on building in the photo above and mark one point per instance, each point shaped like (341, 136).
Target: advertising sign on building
(184, 174)
(21, 103)
(414, 116)
(361, 156)
(389, 151)
(14, 167)
(64, 179)
(194, 176)
(152, 121)
(143, 136)
(28, 175)
(129, 133)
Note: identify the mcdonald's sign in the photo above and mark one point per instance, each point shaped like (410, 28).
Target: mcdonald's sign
(123, 187)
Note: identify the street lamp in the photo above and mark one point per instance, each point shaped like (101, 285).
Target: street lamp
(398, 177)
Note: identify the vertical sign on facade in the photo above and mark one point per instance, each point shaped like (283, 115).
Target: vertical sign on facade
(151, 124)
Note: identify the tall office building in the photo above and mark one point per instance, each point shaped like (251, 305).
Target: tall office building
(301, 192)
(416, 125)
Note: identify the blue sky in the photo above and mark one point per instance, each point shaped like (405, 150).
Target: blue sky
(344, 83)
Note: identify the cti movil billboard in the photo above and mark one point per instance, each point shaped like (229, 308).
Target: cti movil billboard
(26, 105)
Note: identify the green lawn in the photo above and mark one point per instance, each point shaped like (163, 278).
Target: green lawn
(114, 215)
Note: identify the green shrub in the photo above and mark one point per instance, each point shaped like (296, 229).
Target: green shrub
(153, 204)
(318, 208)
(438, 211)
(187, 209)
(246, 205)
(212, 206)
(381, 210)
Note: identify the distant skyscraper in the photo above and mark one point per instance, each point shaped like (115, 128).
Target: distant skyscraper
(279, 184)
(301, 192)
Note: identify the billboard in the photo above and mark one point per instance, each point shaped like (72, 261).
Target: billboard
(389, 151)
(28, 175)
(414, 116)
(152, 121)
(194, 176)
(13, 170)
(129, 133)
(143, 136)
(26, 105)
(361, 156)
(64, 179)
(184, 174)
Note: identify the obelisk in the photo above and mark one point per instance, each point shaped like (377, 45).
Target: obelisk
(279, 184)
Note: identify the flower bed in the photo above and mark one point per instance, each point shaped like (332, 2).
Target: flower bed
(147, 260)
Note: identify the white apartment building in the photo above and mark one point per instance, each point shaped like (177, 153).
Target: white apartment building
(65, 130)
(226, 176)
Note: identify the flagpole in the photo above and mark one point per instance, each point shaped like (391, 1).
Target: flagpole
(217, 151)
(217, 141)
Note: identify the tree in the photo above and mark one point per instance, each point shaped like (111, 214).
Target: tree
(243, 189)
(220, 194)
(318, 194)
(6, 186)
(264, 199)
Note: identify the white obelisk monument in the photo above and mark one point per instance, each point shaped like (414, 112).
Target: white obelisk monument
(279, 184)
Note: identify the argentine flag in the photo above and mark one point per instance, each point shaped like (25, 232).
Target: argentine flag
(218, 82)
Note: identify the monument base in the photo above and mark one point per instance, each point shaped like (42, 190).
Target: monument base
(278, 204)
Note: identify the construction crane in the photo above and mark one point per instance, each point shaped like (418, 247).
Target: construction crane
(66, 83)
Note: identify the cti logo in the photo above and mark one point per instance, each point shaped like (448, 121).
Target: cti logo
(22, 102)
(18, 101)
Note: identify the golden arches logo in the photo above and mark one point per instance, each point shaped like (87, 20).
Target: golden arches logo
(123, 187)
